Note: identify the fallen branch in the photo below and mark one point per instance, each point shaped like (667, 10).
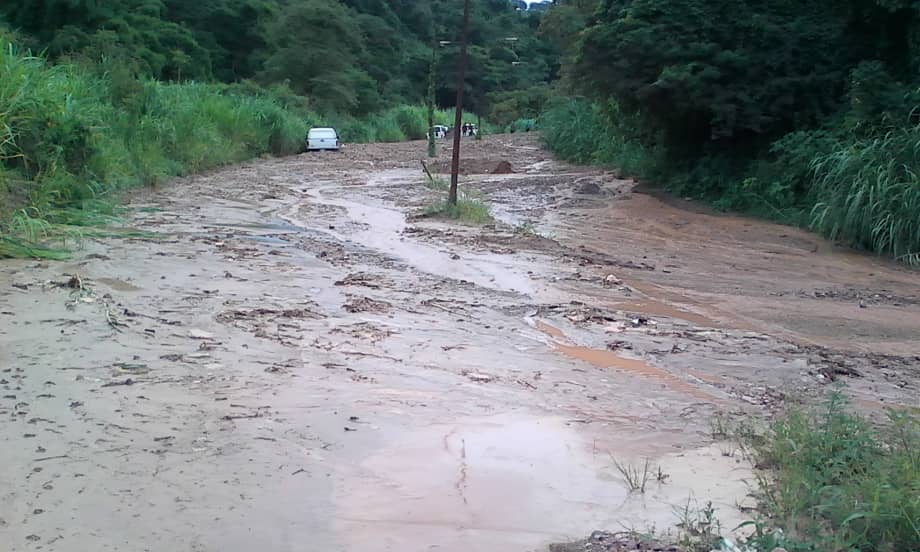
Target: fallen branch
(51, 458)
(242, 416)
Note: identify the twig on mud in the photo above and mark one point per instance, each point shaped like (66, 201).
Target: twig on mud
(433, 303)
(525, 384)
(242, 416)
(128, 381)
(453, 347)
(370, 355)
(51, 458)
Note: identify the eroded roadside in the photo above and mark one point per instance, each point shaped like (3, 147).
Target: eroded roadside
(288, 362)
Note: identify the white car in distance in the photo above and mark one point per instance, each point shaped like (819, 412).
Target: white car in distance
(322, 139)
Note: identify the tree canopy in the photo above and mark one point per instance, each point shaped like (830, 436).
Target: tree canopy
(352, 56)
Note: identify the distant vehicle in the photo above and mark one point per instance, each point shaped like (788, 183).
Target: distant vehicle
(439, 131)
(469, 129)
(322, 139)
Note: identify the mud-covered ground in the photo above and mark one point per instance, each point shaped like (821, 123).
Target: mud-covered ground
(277, 357)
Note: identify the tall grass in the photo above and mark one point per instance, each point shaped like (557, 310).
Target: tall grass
(585, 132)
(837, 483)
(70, 137)
(868, 194)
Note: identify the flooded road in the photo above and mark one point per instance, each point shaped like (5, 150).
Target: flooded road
(287, 357)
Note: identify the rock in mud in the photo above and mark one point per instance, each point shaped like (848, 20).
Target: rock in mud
(589, 188)
(503, 167)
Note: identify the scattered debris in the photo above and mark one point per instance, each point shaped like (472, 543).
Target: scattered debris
(366, 304)
(601, 541)
(361, 279)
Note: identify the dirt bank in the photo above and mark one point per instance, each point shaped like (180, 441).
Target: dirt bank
(287, 362)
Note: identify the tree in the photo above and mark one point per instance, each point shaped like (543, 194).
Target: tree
(315, 45)
(728, 71)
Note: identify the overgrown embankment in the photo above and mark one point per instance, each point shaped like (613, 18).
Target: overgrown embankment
(860, 189)
(70, 137)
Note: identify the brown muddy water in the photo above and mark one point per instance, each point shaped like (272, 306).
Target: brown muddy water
(293, 361)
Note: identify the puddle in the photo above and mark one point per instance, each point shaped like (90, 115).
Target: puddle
(608, 359)
(273, 226)
(652, 307)
(512, 482)
(384, 233)
(118, 285)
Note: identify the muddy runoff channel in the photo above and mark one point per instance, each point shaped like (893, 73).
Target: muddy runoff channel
(282, 359)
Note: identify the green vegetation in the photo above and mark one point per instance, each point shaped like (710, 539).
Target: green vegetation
(802, 112)
(69, 138)
(837, 483)
(468, 210)
(437, 183)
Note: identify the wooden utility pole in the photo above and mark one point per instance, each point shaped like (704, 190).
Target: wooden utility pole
(432, 149)
(458, 119)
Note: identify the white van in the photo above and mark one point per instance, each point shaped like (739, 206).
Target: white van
(322, 139)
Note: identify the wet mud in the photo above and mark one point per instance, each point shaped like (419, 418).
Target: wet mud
(286, 358)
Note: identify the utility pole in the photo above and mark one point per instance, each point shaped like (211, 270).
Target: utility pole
(458, 119)
(432, 148)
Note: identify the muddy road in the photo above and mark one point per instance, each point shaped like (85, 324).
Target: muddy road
(282, 356)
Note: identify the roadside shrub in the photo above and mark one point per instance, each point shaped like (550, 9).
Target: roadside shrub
(837, 483)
